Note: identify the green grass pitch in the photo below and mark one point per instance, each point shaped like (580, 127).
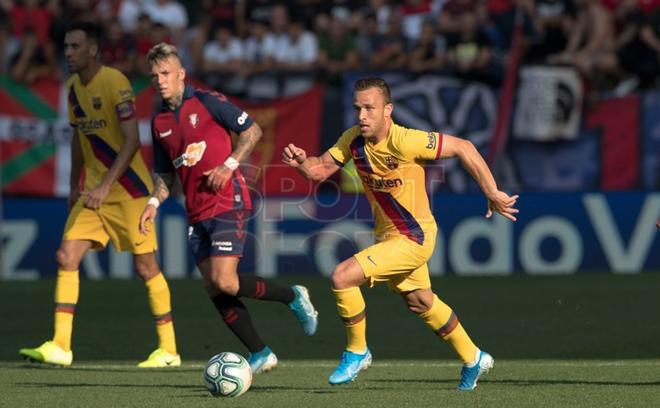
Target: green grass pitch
(586, 340)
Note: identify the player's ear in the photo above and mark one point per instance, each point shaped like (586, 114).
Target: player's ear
(389, 108)
(182, 73)
(93, 50)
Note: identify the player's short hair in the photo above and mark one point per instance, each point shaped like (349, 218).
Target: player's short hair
(374, 82)
(161, 52)
(92, 31)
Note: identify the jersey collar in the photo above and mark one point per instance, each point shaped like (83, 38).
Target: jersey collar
(188, 91)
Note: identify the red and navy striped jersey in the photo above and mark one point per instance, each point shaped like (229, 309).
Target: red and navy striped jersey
(195, 138)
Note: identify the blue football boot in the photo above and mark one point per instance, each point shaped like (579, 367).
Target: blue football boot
(470, 374)
(262, 361)
(304, 310)
(349, 367)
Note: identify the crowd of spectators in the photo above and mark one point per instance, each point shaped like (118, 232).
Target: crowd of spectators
(264, 48)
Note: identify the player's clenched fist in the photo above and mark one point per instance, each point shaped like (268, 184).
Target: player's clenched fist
(293, 155)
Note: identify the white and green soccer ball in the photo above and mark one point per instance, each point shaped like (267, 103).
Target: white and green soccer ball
(227, 374)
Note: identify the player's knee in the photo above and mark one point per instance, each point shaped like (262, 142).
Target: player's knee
(225, 286)
(146, 267)
(417, 308)
(339, 277)
(66, 260)
(418, 304)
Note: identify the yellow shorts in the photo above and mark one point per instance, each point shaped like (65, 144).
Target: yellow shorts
(398, 261)
(119, 222)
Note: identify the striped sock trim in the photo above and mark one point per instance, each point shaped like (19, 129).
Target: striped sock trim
(451, 324)
(65, 308)
(260, 289)
(163, 319)
(230, 317)
(351, 321)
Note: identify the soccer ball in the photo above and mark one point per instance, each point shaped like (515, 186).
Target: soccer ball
(227, 374)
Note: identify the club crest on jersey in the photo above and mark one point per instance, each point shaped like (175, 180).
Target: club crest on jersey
(191, 156)
(391, 162)
(194, 119)
(96, 102)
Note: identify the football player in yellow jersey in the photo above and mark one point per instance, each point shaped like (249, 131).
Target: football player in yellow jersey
(105, 146)
(389, 159)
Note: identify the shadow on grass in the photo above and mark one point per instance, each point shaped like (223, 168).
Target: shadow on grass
(253, 389)
(105, 385)
(128, 369)
(527, 383)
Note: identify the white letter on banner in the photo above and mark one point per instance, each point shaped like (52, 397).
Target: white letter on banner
(620, 258)
(121, 265)
(570, 257)
(174, 251)
(329, 238)
(498, 231)
(92, 265)
(278, 243)
(437, 261)
(18, 237)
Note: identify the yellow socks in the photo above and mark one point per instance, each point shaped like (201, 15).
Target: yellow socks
(352, 311)
(66, 298)
(442, 320)
(159, 301)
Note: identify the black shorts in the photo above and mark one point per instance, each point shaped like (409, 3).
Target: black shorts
(222, 235)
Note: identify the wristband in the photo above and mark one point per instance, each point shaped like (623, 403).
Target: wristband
(231, 163)
(154, 201)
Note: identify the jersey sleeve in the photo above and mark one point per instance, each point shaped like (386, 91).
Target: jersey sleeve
(341, 151)
(122, 98)
(418, 144)
(224, 112)
(162, 162)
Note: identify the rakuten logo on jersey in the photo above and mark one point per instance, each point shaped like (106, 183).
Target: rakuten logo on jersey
(380, 183)
(191, 156)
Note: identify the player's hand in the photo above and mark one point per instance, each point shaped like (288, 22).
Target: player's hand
(147, 218)
(293, 155)
(503, 204)
(218, 177)
(74, 195)
(94, 198)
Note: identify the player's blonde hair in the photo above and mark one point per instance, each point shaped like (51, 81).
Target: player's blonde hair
(161, 52)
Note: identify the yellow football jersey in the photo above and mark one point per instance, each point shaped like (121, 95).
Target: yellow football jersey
(392, 173)
(95, 111)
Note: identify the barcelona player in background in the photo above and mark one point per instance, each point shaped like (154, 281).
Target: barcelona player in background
(390, 162)
(117, 185)
(192, 139)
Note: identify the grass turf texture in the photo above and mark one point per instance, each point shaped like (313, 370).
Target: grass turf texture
(591, 340)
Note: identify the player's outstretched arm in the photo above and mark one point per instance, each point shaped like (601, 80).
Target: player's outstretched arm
(313, 168)
(162, 187)
(498, 201)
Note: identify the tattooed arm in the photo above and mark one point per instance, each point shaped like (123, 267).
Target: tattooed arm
(162, 187)
(247, 139)
(218, 177)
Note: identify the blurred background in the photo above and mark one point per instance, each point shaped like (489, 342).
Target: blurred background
(561, 96)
